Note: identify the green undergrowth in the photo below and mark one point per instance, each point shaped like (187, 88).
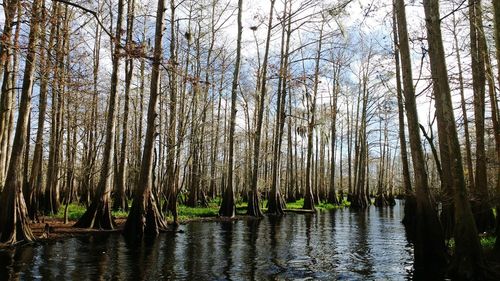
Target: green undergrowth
(212, 210)
(322, 206)
(487, 242)
(75, 210)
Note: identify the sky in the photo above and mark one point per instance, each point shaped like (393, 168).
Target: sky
(363, 20)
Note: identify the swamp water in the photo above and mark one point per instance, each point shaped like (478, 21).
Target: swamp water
(331, 245)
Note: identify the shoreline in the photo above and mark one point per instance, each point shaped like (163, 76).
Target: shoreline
(58, 230)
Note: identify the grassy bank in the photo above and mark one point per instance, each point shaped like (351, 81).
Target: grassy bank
(75, 211)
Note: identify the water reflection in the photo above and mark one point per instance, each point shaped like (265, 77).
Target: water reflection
(337, 245)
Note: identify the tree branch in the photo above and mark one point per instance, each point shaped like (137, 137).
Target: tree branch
(86, 10)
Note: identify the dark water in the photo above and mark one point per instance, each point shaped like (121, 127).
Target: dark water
(337, 245)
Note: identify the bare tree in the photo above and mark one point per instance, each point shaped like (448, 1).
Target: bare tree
(409, 219)
(6, 54)
(35, 180)
(144, 217)
(14, 221)
(98, 214)
(309, 201)
(227, 208)
(483, 213)
(429, 238)
(171, 178)
(120, 199)
(468, 257)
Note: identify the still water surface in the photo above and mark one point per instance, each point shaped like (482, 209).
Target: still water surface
(336, 245)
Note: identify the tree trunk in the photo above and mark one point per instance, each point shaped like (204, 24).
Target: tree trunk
(98, 214)
(332, 193)
(483, 213)
(6, 52)
(496, 8)
(468, 261)
(275, 199)
(35, 180)
(360, 197)
(52, 186)
(470, 170)
(144, 217)
(276, 203)
(349, 151)
(120, 198)
(171, 185)
(291, 168)
(14, 221)
(409, 219)
(429, 249)
(381, 198)
(309, 202)
(227, 207)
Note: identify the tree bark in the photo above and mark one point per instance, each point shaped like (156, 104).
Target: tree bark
(468, 154)
(276, 203)
(468, 261)
(35, 180)
(120, 198)
(332, 193)
(483, 213)
(98, 214)
(144, 217)
(171, 185)
(253, 202)
(309, 202)
(6, 52)
(496, 11)
(409, 219)
(228, 207)
(14, 221)
(429, 249)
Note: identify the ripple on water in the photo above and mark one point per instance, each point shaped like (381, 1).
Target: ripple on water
(337, 245)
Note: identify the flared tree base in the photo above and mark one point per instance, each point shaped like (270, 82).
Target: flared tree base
(391, 200)
(170, 206)
(429, 248)
(253, 208)
(381, 201)
(447, 219)
(333, 199)
(468, 262)
(276, 204)
(309, 202)
(144, 219)
(410, 217)
(483, 216)
(192, 200)
(359, 201)
(227, 207)
(349, 197)
(97, 216)
(14, 221)
(470, 270)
